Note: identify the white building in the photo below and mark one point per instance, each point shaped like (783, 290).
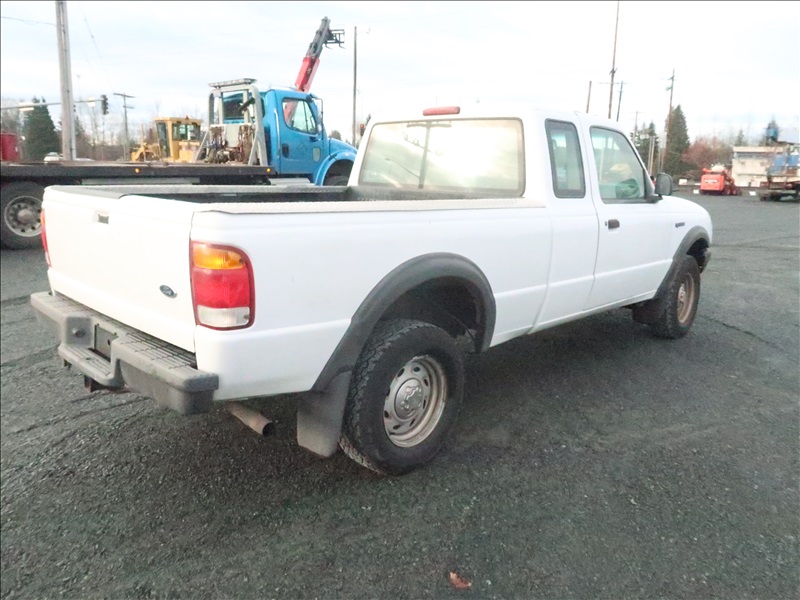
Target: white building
(750, 164)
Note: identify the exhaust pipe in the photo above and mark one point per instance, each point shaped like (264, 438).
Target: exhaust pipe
(253, 419)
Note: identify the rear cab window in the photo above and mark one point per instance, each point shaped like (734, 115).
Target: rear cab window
(566, 164)
(483, 156)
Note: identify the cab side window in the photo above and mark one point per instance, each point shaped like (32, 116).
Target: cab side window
(298, 115)
(565, 160)
(620, 174)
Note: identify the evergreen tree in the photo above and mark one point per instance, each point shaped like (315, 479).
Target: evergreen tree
(642, 139)
(40, 133)
(740, 139)
(677, 144)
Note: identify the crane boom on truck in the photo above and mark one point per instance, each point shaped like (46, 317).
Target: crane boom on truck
(308, 69)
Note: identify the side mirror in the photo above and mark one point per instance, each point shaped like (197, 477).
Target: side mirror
(664, 185)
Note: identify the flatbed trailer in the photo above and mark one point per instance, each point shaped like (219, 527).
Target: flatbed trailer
(22, 186)
(783, 175)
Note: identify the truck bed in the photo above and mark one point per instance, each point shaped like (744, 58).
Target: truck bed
(226, 194)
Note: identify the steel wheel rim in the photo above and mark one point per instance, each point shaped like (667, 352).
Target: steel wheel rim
(415, 401)
(23, 216)
(686, 295)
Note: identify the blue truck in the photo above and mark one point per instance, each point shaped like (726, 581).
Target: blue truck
(280, 129)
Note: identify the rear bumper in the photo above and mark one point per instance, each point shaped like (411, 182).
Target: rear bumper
(116, 356)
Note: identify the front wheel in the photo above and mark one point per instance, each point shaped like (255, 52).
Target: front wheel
(682, 296)
(404, 397)
(336, 180)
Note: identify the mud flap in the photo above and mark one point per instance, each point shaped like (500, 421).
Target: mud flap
(319, 417)
(649, 312)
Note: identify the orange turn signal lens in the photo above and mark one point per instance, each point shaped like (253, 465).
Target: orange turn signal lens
(205, 256)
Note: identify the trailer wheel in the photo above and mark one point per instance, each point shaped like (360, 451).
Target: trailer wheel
(404, 397)
(683, 294)
(21, 226)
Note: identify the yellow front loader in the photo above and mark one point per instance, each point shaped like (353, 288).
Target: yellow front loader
(177, 140)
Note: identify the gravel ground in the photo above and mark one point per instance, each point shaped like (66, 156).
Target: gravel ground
(590, 461)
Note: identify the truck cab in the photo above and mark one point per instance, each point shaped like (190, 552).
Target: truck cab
(280, 128)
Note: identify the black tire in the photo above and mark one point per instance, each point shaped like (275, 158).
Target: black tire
(682, 296)
(409, 380)
(337, 180)
(20, 215)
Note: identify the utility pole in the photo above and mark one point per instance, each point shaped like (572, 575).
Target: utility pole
(355, 79)
(589, 97)
(619, 103)
(665, 155)
(127, 150)
(67, 115)
(613, 65)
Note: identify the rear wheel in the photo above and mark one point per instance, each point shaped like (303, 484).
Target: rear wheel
(20, 225)
(404, 397)
(682, 296)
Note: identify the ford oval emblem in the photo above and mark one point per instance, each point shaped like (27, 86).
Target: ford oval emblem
(168, 291)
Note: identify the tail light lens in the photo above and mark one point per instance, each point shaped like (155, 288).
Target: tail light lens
(222, 286)
(44, 239)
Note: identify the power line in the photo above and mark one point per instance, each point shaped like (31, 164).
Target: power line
(29, 21)
(94, 41)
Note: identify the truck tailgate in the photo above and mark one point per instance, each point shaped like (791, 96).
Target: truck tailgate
(124, 256)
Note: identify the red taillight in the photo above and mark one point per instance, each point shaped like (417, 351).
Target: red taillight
(222, 286)
(441, 110)
(44, 239)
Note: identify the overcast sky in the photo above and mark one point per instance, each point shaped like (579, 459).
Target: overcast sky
(736, 64)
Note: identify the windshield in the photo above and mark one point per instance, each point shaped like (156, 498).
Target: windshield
(470, 155)
(185, 131)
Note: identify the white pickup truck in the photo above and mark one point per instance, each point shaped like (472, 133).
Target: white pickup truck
(458, 231)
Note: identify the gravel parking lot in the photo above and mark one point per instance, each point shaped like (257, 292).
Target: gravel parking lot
(590, 461)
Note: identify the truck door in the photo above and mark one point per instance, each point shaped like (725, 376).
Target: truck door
(301, 140)
(634, 234)
(574, 220)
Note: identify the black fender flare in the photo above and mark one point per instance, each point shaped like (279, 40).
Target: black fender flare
(398, 282)
(649, 311)
(320, 412)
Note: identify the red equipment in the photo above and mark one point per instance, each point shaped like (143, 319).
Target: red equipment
(718, 181)
(9, 147)
(324, 36)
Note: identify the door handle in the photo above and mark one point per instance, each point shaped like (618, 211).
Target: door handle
(612, 223)
(285, 150)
